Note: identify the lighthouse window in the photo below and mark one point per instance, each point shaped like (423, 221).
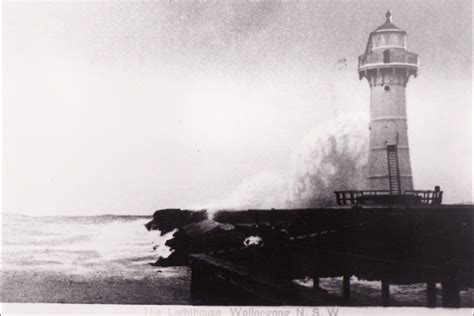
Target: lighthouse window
(386, 56)
(387, 88)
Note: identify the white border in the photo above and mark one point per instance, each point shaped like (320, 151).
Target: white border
(173, 310)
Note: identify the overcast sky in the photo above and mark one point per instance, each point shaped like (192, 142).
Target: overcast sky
(129, 107)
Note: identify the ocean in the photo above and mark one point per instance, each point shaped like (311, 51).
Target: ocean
(106, 259)
(109, 245)
(52, 259)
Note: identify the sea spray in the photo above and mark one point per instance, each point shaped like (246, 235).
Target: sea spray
(264, 190)
(159, 245)
(83, 245)
(332, 156)
(119, 240)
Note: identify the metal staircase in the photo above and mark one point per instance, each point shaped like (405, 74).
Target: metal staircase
(393, 170)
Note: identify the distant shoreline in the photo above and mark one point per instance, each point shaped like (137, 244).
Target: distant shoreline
(76, 216)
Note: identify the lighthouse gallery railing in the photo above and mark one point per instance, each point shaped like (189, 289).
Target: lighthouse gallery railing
(397, 58)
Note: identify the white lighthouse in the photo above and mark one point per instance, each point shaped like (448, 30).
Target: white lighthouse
(387, 66)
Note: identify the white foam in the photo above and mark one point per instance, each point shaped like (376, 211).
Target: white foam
(330, 157)
(82, 247)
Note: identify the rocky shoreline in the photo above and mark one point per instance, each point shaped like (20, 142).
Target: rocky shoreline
(196, 233)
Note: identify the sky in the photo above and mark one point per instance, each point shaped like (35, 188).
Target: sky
(128, 107)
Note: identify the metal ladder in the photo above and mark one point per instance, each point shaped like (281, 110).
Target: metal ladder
(393, 170)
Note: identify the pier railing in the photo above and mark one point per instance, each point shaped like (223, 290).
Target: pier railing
(351, 197)
(427, 196)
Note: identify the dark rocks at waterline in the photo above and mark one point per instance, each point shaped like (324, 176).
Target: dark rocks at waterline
(167, 220)
(196, 233)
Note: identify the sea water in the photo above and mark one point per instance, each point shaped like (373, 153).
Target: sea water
(106, 259)
(106, 245)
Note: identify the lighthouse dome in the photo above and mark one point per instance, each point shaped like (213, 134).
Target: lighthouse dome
(387, 49)
(388, 25)
(387, 35)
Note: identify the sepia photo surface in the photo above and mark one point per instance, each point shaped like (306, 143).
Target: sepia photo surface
(238, 153)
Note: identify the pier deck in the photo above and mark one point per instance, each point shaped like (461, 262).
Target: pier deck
(393, 245)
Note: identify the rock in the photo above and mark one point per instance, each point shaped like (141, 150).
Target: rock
(196, 234)
(168, 219)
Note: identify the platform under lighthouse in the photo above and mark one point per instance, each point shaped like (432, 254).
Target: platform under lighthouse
(387, 66)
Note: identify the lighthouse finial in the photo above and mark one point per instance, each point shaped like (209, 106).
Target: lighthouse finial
(388, 15)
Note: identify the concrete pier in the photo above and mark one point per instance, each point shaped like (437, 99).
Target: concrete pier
(373, 243)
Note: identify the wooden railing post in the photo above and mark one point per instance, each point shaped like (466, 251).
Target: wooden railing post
(346, 286)
(431, 293)
(450, 292)
(385, 293)
(316, 272)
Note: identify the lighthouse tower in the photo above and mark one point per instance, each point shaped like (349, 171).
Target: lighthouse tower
(387, 66)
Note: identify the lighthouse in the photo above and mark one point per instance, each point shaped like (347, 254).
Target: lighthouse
(387, 66)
